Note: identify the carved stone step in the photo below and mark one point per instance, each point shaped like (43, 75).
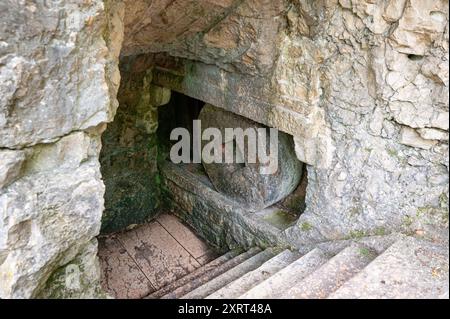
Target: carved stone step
(329, 277)
(253, 278)
(195, 283)
(280, 282)
(231, 275)
(214, 264)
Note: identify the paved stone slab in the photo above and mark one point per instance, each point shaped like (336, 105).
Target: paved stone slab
(231, 275)
(411, 268)
(158, 254)
(121, 276)
(184, 235)
(329, 277)
(253, 278)
(282, 281)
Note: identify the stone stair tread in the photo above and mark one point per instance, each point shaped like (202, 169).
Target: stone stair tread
(378, 243)
(410, 268)
(330, 276)
(280, 282)
(194, 275)
(249, 280)
(231, 275)
(210, 275)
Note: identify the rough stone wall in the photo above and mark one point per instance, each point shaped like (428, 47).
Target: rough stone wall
(58, 84)
(130, 150)
(383, 78)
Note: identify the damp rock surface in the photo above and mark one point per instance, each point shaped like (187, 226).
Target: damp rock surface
(246, 182)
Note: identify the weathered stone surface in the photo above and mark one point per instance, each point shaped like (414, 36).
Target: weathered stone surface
(58, 84)
(212, 274)
(12, 162)
(411, 137)
(182, 234)
(50, 214)
(79, 278)
(130, 150)
(121, 276)
(158, 254)
(279, 283)
(433, 134)
(421, 23)
(226, 33)
(330, 276)
(215, 217)
(202, 271)
(235, 92)
(55, 71)
(231, 275)
(245, 183)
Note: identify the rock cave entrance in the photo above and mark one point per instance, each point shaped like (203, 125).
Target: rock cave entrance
(224, 206)
(141, 181)
(152, 206)
(197, 199)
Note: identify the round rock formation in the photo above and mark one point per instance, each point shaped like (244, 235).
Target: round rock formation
(245, 182)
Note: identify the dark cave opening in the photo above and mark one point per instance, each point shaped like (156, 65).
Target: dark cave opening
(179, 112)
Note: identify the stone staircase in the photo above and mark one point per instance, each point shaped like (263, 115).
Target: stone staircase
(375, 267)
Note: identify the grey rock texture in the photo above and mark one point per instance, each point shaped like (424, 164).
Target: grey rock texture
(129, 154)
(50, 213)
(58, 84)
(55, 73)
(210, 275)
(245, 182)
(215, 217)
(199, 272)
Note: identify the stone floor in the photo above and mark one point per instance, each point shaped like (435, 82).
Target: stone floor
(140, 261)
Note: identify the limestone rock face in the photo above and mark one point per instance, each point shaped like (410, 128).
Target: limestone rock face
(384, 81)
(226, 33)
(49, 213)
(58, 85)
(54, 73)
(245, 182)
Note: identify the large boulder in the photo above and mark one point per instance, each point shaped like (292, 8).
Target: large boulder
(247, 183)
